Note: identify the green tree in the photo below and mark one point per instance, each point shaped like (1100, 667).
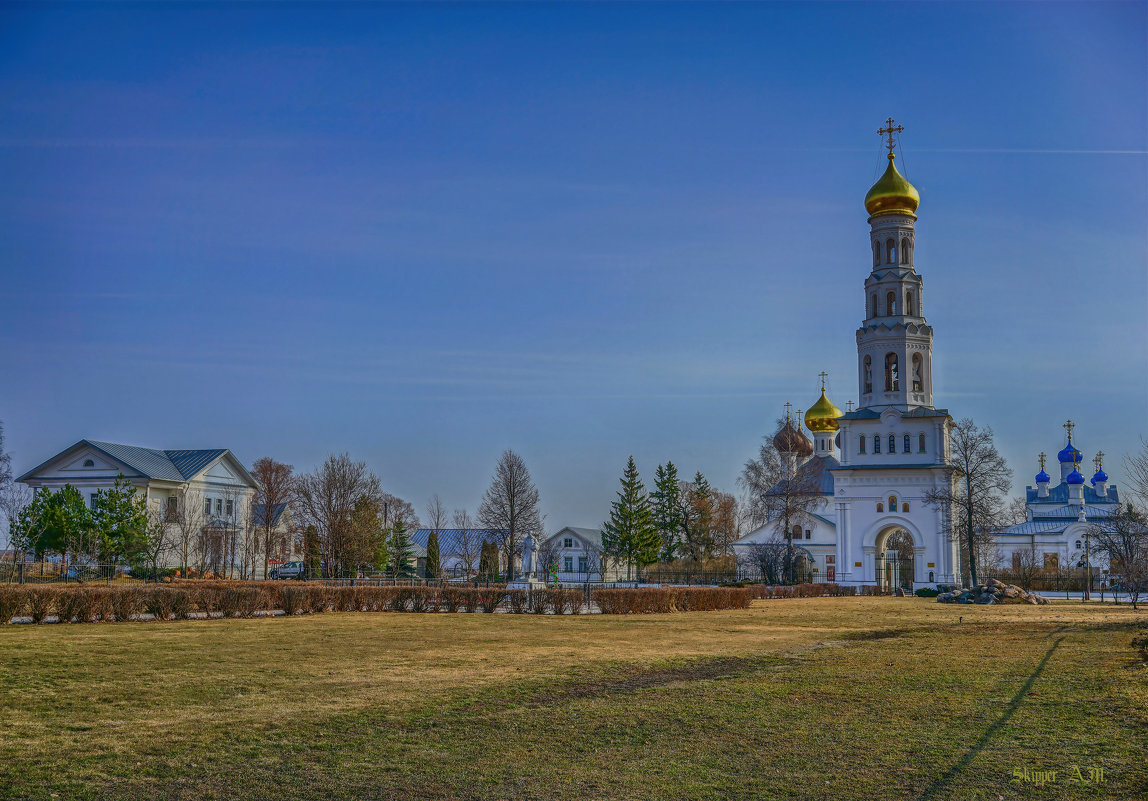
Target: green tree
(666, 509)
(120, 523)
(488, 560)
(54, 522)
(400, 553)
(434, 562)
(630, 533)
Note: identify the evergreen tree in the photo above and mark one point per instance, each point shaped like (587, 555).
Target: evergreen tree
(667, 509)
(630, 533)
(433, 565)
(119, 521)
(399, 550)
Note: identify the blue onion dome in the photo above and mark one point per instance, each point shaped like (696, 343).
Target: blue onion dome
(1074, 477)
(1070, 455)
(1099, 477)
(1042, 477)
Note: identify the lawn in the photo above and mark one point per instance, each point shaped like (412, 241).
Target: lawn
(827, 698)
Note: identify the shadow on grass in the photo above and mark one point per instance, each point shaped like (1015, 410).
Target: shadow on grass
(933, 790)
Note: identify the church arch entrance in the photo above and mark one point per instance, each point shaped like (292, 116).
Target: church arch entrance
(895, 559)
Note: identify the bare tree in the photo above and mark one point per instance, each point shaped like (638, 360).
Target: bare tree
(159, 536)
(1026, 566)
(326, 498)
(1136, 471)
(768, 559)
(467, 545)
(974, 505)
(1123, 538)
(546, 556)
(276, 483)
(187, 520)
(780, 489)
(510, 507)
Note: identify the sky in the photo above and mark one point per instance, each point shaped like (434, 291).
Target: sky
(426, 233)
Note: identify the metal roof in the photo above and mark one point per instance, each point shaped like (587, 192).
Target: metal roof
(174, 465)
(448, 538)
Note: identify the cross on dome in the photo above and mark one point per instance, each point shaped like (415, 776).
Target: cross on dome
(888, 132)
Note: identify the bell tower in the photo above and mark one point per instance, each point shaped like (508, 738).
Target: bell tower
(894, 342)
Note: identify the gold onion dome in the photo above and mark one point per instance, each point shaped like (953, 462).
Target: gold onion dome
(822, 416)
(892, 194)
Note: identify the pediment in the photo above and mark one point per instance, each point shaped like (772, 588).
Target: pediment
(891, 415)
(220, 470)
(88, 460)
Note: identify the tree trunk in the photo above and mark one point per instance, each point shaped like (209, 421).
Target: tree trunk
(969, 528)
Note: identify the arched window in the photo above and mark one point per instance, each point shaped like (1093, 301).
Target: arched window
(918, 381)
(905, 507)
(880, 507)
(892, 374)
(876, 443)
(89, 463)
(869, 370)
(920, 443)
(873, 305)
(861, 444)
(876, 253)
(892, 503)
(904, 251)
(890, 251)
(892, 443)
(908, 444)
(891, 304)
(909, 303)
(930, 576)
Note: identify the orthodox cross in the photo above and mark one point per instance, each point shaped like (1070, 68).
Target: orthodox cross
(799, 419)
(1098, 462)
(788, 406)
(848, 406)
(1068, 426)
(1042, 458)
(823, 375)
(888, 132)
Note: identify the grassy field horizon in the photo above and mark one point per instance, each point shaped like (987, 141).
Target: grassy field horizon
(830, 698)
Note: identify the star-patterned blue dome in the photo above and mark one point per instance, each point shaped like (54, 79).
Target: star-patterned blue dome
(1074, 477)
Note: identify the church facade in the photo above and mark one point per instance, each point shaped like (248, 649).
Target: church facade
(877, 463)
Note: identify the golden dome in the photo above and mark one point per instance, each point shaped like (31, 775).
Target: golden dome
(822, 416)
(892, 194)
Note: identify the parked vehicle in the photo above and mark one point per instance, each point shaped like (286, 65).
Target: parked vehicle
(288, 570)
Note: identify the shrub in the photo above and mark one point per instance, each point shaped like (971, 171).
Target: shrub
(318, 599)
(41, 602)
(927, 592)
(68, 605)
(419, 597)
(12, 602)
(490, 598)
(159, 602)
(291, 599)
(539, 601)
(576, 601)
(101, 603)
(452, 598)
(346, 599)
(125, 602)
(470, 599)
(517, 600)
(661, 600)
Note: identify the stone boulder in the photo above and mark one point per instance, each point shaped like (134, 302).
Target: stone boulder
(992, 591)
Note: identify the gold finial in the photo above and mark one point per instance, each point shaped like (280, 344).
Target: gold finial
(1098, 462)
(823, 375)
(888, 132)
(788, 406)
(1042, 458)
(1068, 426)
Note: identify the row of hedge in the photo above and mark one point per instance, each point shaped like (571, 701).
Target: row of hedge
(820, 590)
(248, 599)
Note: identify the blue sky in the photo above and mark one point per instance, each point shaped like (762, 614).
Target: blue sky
(426, 233)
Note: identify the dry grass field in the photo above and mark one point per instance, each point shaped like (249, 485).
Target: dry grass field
(829, 698)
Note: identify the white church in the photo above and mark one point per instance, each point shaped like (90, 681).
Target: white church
(877, 462)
